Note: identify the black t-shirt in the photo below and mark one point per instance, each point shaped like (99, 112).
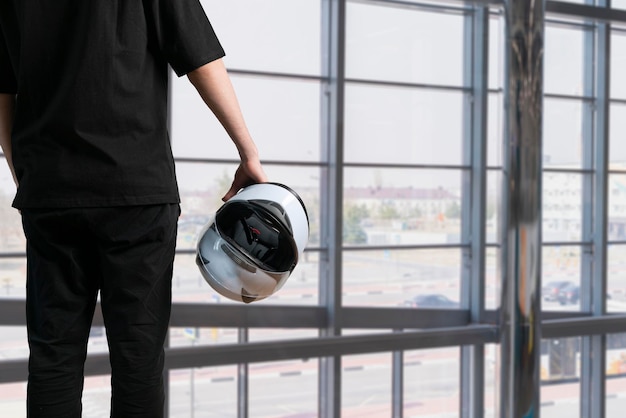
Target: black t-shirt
(91, 78)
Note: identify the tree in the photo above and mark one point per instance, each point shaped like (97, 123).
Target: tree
(353, 215)
(453, 210)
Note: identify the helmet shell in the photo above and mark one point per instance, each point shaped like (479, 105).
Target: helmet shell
(253, 242)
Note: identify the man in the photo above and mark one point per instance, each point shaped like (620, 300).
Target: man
(83, 110)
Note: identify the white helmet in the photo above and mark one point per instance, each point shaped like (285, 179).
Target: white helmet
(253, 242)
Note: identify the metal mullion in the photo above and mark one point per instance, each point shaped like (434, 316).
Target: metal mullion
(405, 85)
(586, 268)
(568, 170)
(419, 6)
(243, 378)
(617, 101)
(397, 383)
(596, 345)
(405, 247)
(585, 11)
(331, 183)
(473, 205)
(271, 74)
(584, 98)
(407, 166)
(200, 160)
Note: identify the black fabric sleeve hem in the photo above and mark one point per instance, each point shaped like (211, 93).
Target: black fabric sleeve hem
(181, 71)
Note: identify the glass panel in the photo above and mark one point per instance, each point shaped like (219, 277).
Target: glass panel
(492, 208)
(618, 4)
(616, 373)
(279, 334)
(562, 207)
(403, 44)
(366, 377)
(11, 233)
(277, 35)
(496, 52)
(394, 125)
(563, 67)
(401, 207)
(97, 340)
(12, 278)
(283, 117)
(495, 129)
(203, 392)
(616, 278)
(618, 61)
(97, 397)
(283, 389)
(13, 344)
(415, 278)
(617, 132)
(617, 207)
(491, 395)
(432, 383)
(492, 279)
(562, 134)
(560, 281)
(13, 399)
(192, 336)
(560, 374)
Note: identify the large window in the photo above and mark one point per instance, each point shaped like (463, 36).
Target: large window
(387, 117)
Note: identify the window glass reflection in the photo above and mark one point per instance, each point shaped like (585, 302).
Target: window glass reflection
(560, 278)
(402, 278)
(407, 45)
(201, 391)
(11, 233)
(277, 35)
(13, 399)
(431, 382)
(617, 207)
(618, 59)
(563, 67)
(401, 207)
(395, 125)
(617, 132)
(562, 134)
(616, 373)
(283, 389)
(12, 278)
(562, 207)
(283, 116)
(616, 278)
(366, 377)
(560, 377)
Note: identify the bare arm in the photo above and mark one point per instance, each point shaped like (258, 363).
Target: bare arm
(213, 83)
(7, 106)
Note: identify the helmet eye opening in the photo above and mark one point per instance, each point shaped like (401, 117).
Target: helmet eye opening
(258, 235)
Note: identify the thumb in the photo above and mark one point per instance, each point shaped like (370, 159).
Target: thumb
(230, 193)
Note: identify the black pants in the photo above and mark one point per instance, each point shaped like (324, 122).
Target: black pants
(125, 253)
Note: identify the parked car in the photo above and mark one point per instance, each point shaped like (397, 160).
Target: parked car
(432, 300)
(550, 291)
(569, 294)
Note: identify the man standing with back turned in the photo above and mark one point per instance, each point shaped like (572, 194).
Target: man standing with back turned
(83, 113)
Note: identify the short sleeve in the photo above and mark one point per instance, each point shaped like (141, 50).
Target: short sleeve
(183, 33)
(8, 82)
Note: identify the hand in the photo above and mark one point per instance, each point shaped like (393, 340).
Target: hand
(248, 172)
